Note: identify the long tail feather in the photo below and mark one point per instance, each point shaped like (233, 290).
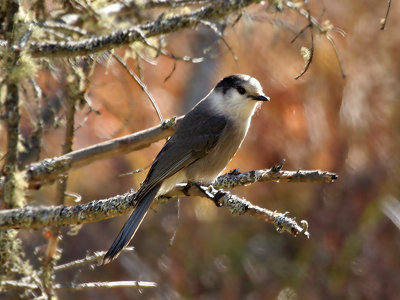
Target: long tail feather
(131, 226)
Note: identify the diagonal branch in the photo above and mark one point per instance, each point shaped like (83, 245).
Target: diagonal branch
(214, 11)
(141, 84)
(384, 20)
(240, 206)
(36, 217)
(49, 169)
(94, 260)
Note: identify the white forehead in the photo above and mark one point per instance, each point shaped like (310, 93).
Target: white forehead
(252, 84)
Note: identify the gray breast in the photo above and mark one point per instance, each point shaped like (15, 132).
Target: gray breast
(206, 169)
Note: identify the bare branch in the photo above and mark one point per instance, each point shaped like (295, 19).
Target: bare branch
(141, 84)
(129, 5)
(240, 206)
(13, 284)
(106, 284)
(48, 169)
(36, 217)
(310, 53)
(300, 32)
(219, 33)
(96, 259)
(330, 39)
(314, 24)
(214, 11)
(384, 20)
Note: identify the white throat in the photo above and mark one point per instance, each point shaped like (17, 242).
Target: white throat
(234, 106)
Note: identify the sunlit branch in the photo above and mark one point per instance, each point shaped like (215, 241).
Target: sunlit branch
(48, 169)
(214, 11)
(37, 217)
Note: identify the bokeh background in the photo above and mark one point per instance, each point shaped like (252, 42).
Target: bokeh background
(321, 121)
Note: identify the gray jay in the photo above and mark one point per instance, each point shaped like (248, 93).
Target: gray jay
(202, 145)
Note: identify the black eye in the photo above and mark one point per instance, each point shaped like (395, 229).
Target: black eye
(241, 90)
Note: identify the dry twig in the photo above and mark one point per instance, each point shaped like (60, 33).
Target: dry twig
(384, 20)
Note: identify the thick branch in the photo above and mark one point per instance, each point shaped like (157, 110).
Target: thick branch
(216, 10)
(37, 217)
(48, 169)
(12, 112)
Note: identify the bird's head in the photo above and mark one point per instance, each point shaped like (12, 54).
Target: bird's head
(238, 95)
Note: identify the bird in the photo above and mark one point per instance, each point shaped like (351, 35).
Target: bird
(200, 148)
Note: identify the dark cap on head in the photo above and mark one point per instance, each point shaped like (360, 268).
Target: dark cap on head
(232, 81)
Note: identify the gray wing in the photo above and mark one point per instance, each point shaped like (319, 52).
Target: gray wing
(197, 135)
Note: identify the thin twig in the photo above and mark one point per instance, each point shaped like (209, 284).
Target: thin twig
(300, 32)
(171, 73)
(310, 54)
(215, 29)
(95, 259)
(314, 24)
(165, 53)
(14, 284)
(141, 84)
(339, 58)
(105, 284)
(65, 27)
(384, 20)
(130, 5)
(38, 124)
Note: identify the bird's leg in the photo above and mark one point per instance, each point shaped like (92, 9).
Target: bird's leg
(188, 186)
(219, 195)
(211, 193)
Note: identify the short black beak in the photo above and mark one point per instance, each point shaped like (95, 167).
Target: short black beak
(260, 98)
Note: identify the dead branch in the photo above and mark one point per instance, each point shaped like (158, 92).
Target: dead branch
(95, 259)
(105, 284)
(240, 206)
(215, 11)
(309, 54)
(142, 85)
(13, 284)
(49, 169)
(36, 217)
(313, 23)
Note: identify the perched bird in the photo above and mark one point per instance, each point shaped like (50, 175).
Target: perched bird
(204, 142)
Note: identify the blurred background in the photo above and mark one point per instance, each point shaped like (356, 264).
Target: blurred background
(321, 121)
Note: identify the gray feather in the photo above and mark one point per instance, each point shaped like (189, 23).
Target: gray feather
(130, 227)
